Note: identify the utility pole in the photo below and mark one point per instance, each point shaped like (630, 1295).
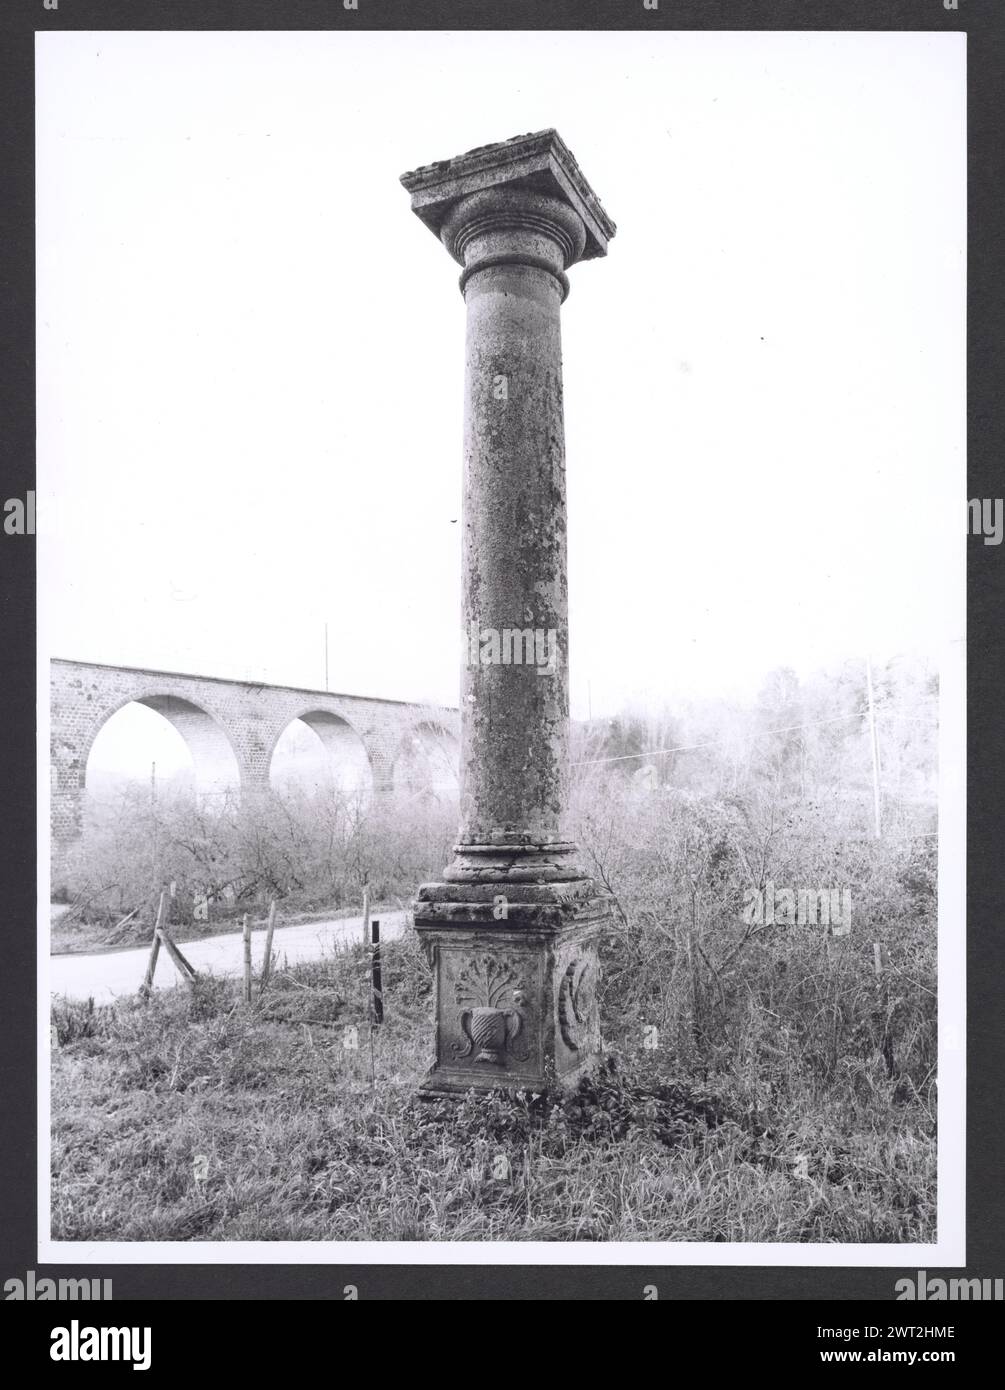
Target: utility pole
(326, 656)
(874, 740)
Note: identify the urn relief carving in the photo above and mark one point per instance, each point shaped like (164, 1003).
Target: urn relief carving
(488, 1025)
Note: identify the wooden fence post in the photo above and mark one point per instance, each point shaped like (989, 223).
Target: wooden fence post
(376, 990)
(267, 963)
(246, 932)
(184, 967)
(155, 945)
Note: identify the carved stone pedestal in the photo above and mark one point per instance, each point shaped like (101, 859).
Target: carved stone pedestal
(516, 999)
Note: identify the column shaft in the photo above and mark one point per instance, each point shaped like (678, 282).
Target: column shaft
(514, 689)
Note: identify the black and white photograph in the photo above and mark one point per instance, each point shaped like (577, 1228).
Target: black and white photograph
(504, 576)
(642, 927)
(630, 931)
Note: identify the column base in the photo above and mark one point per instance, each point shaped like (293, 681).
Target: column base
(515, 983)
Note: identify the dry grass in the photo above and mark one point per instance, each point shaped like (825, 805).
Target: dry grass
(193, 1118)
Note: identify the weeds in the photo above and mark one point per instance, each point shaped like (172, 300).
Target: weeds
(276, 1109)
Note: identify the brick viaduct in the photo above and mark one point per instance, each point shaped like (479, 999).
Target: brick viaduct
(231, 729)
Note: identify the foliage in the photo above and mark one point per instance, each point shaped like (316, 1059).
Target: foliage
(762, 1082)
(314, 850)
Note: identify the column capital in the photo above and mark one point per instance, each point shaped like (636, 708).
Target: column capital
(539, 165)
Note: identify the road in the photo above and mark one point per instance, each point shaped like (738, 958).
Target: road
(111, 974)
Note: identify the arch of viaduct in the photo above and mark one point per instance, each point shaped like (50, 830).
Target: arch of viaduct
(231, 728)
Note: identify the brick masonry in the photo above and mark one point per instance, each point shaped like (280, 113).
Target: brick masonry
(230, 727)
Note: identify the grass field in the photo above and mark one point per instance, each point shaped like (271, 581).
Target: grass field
(193, 1117)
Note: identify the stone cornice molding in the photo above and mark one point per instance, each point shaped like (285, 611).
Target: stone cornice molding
(538, 163)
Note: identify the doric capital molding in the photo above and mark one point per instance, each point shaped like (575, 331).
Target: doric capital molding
(505, 210)
(513, 226)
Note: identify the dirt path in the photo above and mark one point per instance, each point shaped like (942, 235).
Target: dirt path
(111, 974)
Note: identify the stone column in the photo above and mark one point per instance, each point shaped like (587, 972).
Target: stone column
(511, 929)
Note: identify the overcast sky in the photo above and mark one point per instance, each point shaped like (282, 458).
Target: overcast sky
(250, 352)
